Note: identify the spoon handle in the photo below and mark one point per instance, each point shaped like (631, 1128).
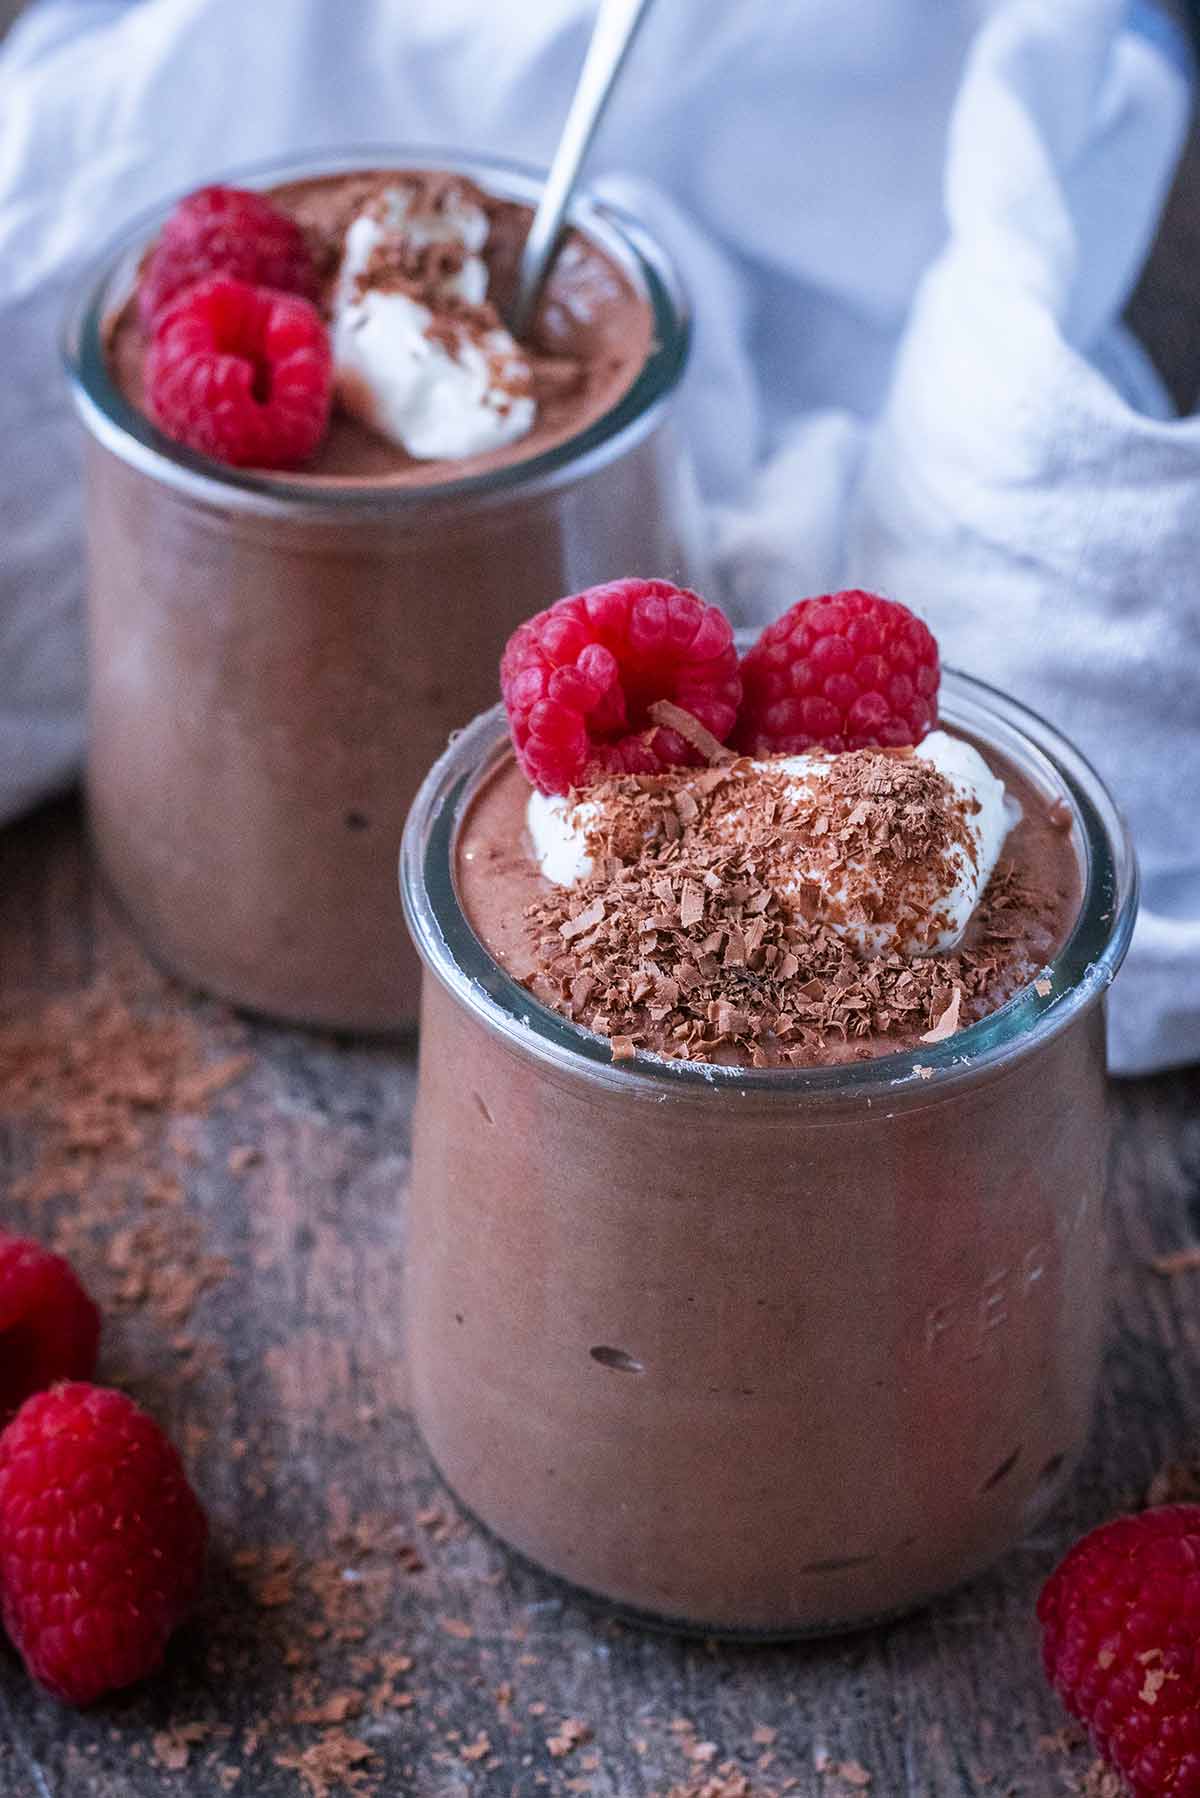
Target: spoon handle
(616, 27)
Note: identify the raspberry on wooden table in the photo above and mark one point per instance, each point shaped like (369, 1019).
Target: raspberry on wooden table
(226, 231)
(843, 671)
(1120, 1623)
(102, 1540)
(49, 1327)
(241, 373)
(578, 681)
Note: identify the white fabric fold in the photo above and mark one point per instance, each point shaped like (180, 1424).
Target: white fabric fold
(909, 228)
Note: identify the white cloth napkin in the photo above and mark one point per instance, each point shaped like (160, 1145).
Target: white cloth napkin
(909, 226)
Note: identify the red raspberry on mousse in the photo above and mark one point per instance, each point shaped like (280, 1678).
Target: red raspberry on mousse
(49, 1327)
(1120, 1620)
(102, 1540)
(843, 671)
(579, 679)
(226, 231)
(241, 373)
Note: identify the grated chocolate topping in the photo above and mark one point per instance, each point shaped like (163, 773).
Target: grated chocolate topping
(693, 936)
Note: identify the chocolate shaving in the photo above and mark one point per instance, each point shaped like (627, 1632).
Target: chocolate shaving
(583, 921)
(948, 1023)
(704, 934)
(673, 717)
(691, 905)
(1180, 1261)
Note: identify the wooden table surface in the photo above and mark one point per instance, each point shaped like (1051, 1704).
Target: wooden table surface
(234, 1196)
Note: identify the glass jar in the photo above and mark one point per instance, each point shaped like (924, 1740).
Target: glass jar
(760, 1353)
(274, 662)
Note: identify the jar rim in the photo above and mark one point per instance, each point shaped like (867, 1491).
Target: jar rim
(121, 428)
(1074, 980)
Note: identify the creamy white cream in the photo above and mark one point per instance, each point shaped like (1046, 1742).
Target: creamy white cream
(460, 391)
(970, 778)
(559, 830)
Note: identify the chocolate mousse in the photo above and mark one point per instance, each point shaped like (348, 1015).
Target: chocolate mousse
(413, 233)
(277, 653)
(685, 941)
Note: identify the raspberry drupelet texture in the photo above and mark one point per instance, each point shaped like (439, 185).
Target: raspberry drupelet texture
(49, 1327)
(241, 373)
(226, 231)
(844, 671)
(102, 1540)
(1120, 1623)
(578, 681)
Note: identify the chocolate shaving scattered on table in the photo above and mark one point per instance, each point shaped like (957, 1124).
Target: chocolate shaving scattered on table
(100, 1075)
(1179, 1261)
(694, 938)
(1178, 1483)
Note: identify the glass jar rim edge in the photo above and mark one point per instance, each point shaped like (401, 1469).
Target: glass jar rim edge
(122, 430)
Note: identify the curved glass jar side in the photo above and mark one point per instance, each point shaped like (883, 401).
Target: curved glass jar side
(125, 431)
(875, 1327)
(1077, 978)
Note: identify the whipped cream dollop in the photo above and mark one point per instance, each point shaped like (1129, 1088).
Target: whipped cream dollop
(418, 355)
(877, 899)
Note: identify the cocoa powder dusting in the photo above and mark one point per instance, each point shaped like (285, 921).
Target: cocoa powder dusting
(692, 936)
(398, 265)
(326, 214)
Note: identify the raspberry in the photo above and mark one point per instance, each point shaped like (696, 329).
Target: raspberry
(226, 231)
(845, 671)
(579, 678)
(1120, 1623)
(49, 1327)
(241, 373)
(101, 1540)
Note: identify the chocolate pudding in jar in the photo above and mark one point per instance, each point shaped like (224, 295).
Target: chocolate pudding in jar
(755, 1277)
(277, 653)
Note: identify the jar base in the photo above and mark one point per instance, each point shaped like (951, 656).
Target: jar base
(656, 1623)
(401, 1031)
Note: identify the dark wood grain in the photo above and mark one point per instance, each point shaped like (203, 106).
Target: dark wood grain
(1163, 311)
(286, 1391)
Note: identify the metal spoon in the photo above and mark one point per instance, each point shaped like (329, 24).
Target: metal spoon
(616, 27)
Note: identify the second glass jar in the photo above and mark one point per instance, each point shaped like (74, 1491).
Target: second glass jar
(274, 664)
